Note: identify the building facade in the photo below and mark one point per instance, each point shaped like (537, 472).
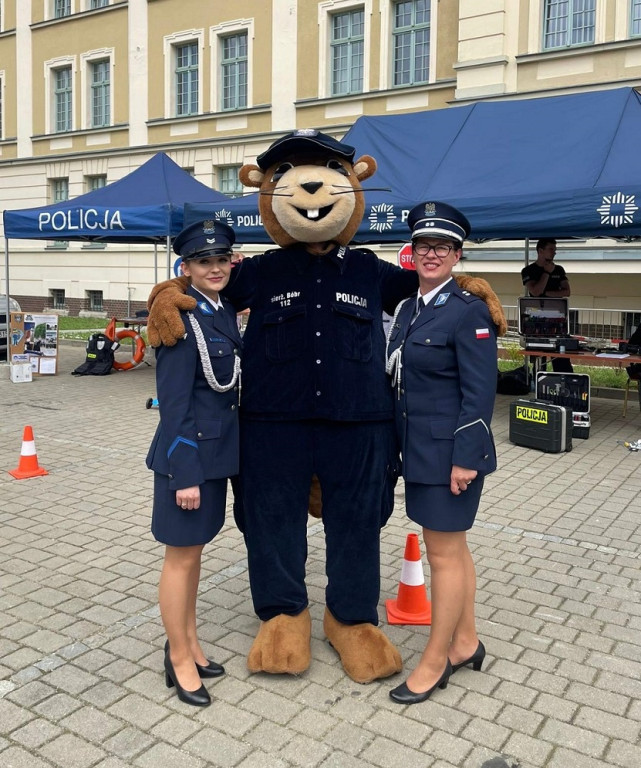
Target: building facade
(91, 89)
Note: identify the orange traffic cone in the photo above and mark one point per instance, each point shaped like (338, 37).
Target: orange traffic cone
(411, 605)
(28, 464)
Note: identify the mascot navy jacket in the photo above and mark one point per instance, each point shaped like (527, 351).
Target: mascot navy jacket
(314, 346)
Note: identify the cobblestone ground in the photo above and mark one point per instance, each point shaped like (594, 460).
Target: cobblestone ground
(557, 546)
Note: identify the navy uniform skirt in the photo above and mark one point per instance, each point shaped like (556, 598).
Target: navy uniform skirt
(436, 508)
(170, 524)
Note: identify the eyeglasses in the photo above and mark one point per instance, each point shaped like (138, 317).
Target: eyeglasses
(441, 250)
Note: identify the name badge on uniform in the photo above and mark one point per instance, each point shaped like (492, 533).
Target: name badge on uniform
(205, 308)
(441, 299)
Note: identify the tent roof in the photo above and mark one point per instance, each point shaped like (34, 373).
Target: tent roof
(563, 166)
(144, 206)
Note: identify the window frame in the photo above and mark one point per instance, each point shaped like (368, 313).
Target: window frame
(54, 9)
(570, 29)
(87, 60)
(216, 34)
(170, 45)
(91, 295)
(231, 73)
(55, 198)
(224, 175)
(351, 48)
(184, 75)
(62, 100)
(635, 6)
(326, 10)
(54, 295)
(412, 29)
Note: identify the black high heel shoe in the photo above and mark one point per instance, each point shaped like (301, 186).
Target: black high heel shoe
(211, 670)
(199, 698)
(403, 695)
(476, 660)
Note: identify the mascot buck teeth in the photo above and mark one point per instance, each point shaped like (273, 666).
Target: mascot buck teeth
(316, 408)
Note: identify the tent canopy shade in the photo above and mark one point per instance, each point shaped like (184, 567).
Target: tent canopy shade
(146, 206)
(562, 166)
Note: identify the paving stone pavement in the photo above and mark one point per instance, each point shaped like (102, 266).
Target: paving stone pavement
(558, 550)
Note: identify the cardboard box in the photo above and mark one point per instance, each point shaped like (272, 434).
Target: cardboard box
(20, 372)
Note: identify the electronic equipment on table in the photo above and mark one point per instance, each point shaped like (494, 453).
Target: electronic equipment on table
(542, 321)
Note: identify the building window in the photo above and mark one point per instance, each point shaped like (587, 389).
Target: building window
(228, 181)
(94, 301)
(61, 8)
(57, 298)
(234, 71)
(100, 93)
(98, 4)
(62, 97)
(411, 41)
(96, 182)
(59, 192)
(635, 18)
(347, 46)
(187, 79)
(568, 22)
(1, 107)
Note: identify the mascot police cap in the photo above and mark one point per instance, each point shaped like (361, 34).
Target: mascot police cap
(304, 142)
(204, 238)
(434, 219)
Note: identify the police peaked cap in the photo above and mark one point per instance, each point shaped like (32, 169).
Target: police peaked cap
(204, 238)
(434, 219)
(307, 141)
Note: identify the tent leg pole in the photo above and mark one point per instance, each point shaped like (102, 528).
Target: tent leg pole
(155, 263)
(6, 290)
(168, 257)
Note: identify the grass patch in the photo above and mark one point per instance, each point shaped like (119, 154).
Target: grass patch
(79, 323)
(600, 375)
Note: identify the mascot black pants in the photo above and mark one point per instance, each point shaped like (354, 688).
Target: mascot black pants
(356, 464)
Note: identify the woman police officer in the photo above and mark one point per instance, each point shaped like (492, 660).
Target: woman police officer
(442, 358)
(195, 448)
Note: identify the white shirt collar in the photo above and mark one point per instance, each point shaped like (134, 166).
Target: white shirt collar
(215, 304)
(427, 297)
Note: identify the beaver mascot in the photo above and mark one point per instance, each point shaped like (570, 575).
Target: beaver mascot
(315, 401)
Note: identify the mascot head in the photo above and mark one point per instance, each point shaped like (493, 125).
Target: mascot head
(309, 189)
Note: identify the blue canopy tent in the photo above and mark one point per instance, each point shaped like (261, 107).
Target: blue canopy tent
(566, 166)
(146, 206)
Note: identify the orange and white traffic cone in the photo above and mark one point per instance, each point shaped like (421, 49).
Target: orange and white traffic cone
(28, 464)
(411, 605)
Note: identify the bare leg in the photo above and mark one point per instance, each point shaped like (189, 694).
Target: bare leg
(464, 638)
(177, 598)
(452, 588)
(192, 632)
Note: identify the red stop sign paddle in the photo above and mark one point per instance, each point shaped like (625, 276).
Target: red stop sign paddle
(405, 256)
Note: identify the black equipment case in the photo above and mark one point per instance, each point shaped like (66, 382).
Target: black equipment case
(571, 390)
(534, 424)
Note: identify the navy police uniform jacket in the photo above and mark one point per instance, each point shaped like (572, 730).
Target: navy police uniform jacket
(197, 437)
(445, 396)
(314, 344)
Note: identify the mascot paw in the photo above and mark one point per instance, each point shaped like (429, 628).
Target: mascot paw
(166, 299)
(366, 653)
(481, 288)
(315, 498)
(282, 645)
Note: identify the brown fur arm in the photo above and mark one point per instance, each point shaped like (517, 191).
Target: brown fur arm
(165, 301)
(481, 288)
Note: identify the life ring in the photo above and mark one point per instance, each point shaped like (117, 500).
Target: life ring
(139, 349)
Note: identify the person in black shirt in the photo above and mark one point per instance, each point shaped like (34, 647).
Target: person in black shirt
(545, 278)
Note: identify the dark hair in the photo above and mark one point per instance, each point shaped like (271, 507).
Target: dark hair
(545, 241)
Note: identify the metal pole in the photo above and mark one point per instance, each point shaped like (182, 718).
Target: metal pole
(155, 263)
(527, 259)
(168, 257)
(6, 288)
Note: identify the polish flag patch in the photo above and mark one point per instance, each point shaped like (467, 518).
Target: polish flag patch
(482, 333)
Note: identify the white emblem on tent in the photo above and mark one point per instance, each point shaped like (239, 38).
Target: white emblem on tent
(617, 209)
(225, 216)
(381, 217)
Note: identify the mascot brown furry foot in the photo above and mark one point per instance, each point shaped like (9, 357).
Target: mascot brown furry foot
(365, 652)
(282, 645)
